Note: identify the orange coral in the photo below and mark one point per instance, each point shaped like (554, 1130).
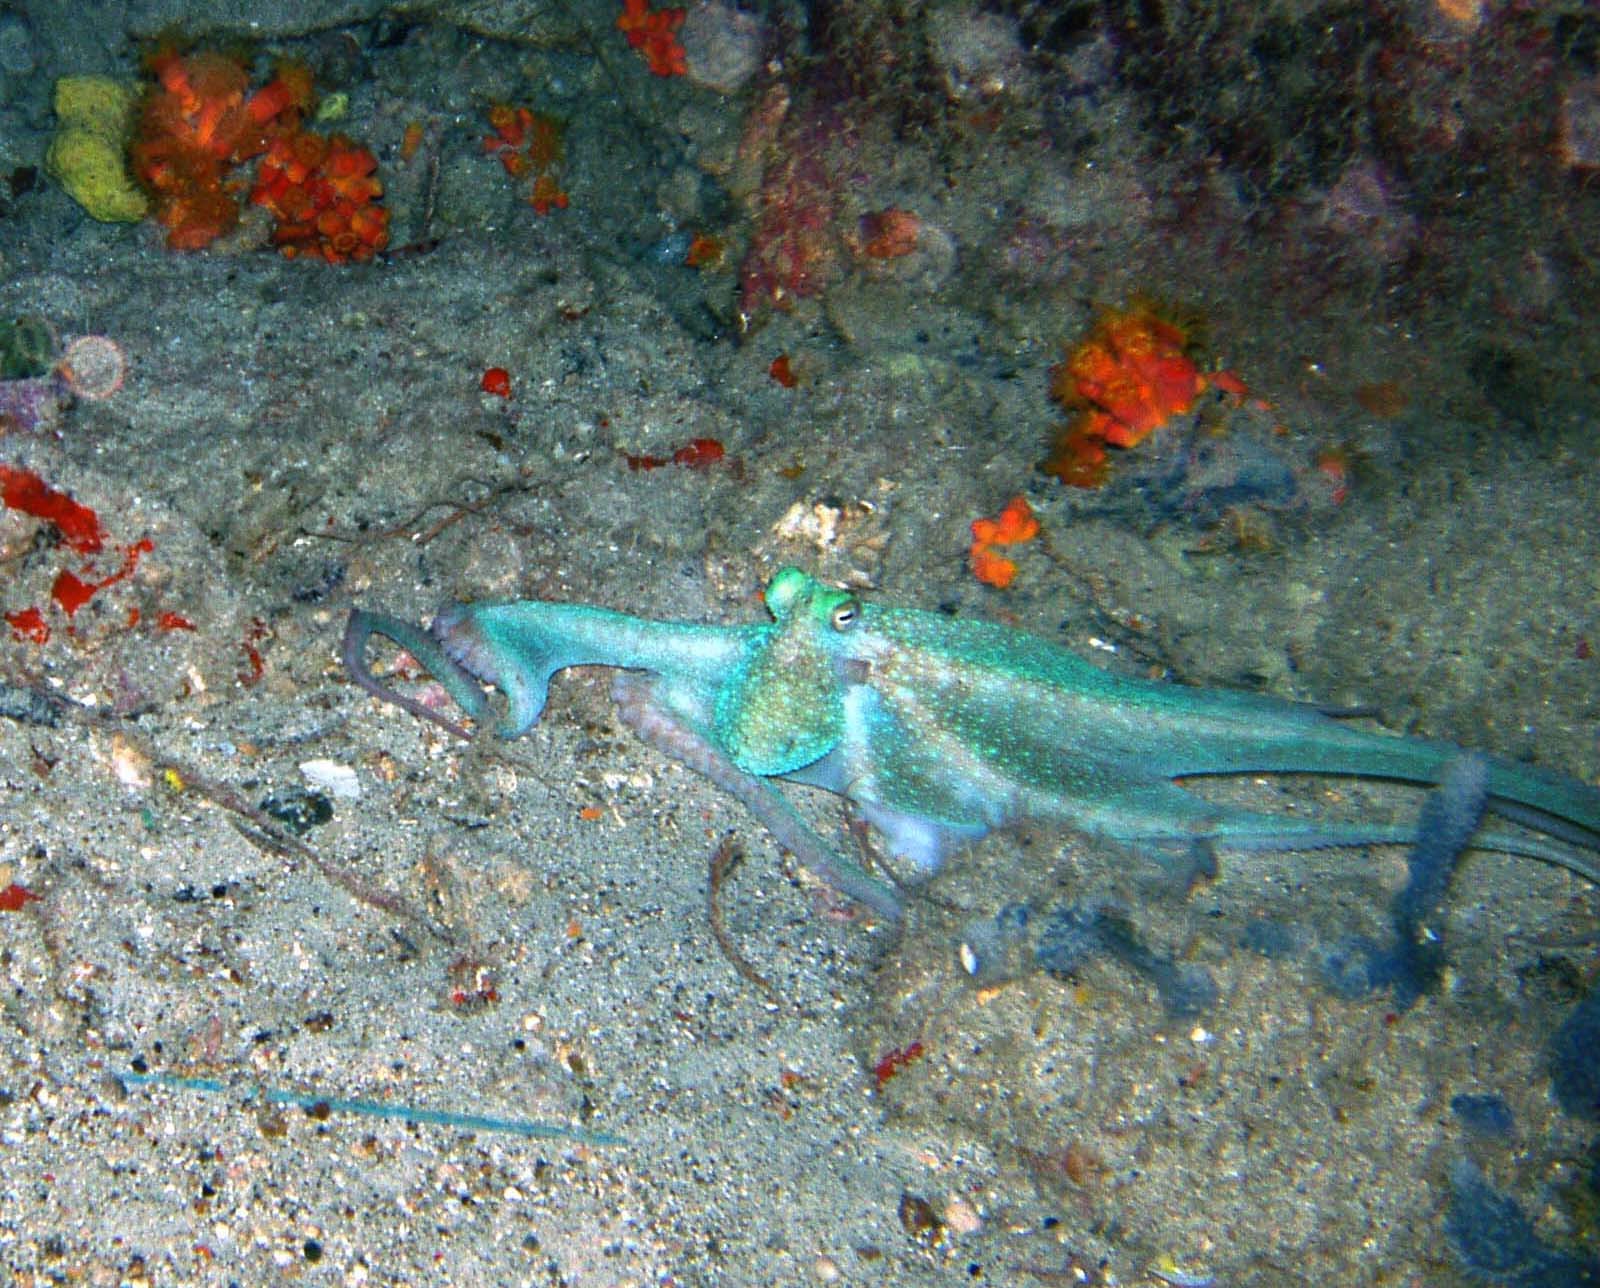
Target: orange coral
(1015, 525)
(1128, 378)
(1131, 376)
(653, 32)
(705, 251)
(782, 370)
(321, 190)
(991, 567)
(1077, 457)
(195, 125)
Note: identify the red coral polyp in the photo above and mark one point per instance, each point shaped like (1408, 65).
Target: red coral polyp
(321, 191)
(529, 144)
(289, 88)
(653, 32)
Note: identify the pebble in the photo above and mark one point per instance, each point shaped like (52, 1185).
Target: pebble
(17, 54)
(722, 45)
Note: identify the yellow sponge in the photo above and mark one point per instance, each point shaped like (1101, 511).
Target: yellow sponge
(87, 155)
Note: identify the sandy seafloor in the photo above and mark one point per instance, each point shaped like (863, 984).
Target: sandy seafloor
(293, 439)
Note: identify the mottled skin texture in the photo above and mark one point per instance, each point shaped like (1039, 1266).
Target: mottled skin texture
(940, 729)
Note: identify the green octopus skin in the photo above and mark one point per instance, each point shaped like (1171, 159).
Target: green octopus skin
(939, 729)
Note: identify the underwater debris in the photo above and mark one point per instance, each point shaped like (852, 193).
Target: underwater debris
(79, 526)
(696, 454)
(14, 898)
(33, 405)
(81, 531)
(29, 624)
(71, 592)
(321, 1106)
(699, 453)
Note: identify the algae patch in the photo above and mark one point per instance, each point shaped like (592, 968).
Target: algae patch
(87, 155)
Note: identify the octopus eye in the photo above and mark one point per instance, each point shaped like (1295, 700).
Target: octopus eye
(846, 615)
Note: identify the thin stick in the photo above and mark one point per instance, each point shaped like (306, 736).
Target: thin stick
(263, 830)
(723, 860)
(374, 1108)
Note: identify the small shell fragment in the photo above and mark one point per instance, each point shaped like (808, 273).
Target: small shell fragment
(129, 765)
(339, 781)
(1168, 1271)
(962, 1217)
